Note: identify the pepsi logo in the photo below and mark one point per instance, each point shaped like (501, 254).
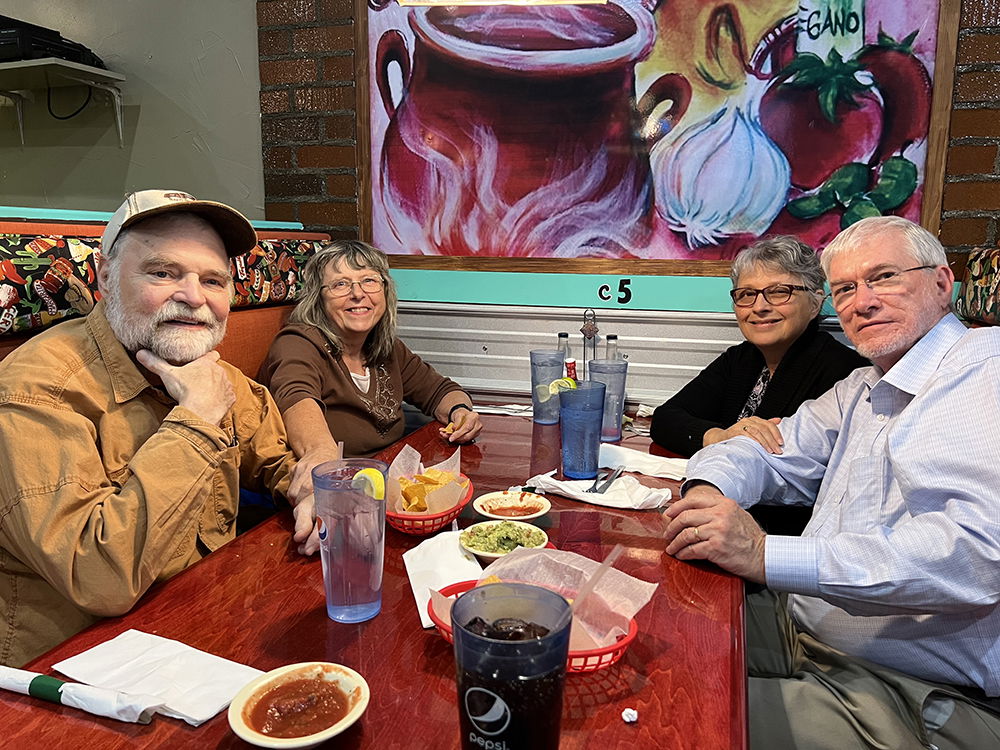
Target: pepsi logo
(486, 710)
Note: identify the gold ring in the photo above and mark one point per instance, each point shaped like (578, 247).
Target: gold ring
(696, 532)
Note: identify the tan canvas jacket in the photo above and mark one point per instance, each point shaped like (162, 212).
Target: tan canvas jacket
(107, 485)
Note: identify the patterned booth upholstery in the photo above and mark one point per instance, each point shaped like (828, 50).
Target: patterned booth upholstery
(48, 274)
(978, 299)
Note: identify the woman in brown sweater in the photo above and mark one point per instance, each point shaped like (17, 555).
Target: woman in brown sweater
(337, 370)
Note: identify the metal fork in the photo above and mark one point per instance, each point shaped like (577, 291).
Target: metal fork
(614, 475)
(597, 480)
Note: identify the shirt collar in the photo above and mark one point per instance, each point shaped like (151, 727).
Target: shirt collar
(922, 360)
(127, 381)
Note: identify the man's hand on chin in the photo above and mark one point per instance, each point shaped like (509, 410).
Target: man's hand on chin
(201, 385)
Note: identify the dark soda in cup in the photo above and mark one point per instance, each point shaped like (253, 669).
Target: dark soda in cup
(511, 645)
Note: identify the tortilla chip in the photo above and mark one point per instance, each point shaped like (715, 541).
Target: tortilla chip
(435, 476)
(414, 495)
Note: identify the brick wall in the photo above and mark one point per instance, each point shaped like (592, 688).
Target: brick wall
(971, 209)
(307, 102)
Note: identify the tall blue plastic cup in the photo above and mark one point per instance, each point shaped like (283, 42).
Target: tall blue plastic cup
(611, 372)
(350, 511)
(510, 691)
(581, 411)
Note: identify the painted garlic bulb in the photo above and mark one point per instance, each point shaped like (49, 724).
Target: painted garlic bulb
(721, 176)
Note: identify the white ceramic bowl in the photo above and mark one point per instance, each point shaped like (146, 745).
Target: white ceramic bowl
(353, 685)
(488, 505)
(495, 555)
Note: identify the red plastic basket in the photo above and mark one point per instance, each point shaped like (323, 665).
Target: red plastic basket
(579, 661)
(412, 523)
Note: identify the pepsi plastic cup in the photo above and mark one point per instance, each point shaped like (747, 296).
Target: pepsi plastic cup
(546, 366)
(611, 372)
(510, 691)
(581, 412)
(351, 537)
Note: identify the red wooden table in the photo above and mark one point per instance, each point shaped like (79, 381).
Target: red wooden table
(258, 602)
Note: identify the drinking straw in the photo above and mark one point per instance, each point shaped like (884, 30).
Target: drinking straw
(591, 582)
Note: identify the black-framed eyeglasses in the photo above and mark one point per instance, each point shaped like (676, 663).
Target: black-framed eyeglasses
(344, 287)
(776, 294)
(883, 282)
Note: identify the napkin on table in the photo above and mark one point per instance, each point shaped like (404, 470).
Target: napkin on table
(110, 703)
(641, 463)
(625, 492)
(516, 410)
(192, 685)
(435, 563)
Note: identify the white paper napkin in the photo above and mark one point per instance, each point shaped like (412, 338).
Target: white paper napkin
(517, 410)
(192, 685)
(642, 463)
(625, 492)
(435, 563)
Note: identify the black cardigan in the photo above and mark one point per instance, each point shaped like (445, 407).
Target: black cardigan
(718, 394)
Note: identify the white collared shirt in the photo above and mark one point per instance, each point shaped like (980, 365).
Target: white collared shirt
(900, 563)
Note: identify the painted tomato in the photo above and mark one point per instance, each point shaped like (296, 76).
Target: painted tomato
(905, 87)
(821, 117)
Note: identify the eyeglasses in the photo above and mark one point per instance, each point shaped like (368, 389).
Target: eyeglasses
(884, 282)
(776, 294)
(344, 287)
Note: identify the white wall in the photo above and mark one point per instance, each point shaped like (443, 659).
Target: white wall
(192, 114)
(485, 347)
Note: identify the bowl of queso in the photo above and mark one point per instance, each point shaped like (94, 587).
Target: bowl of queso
(299, 705)
(511, 505)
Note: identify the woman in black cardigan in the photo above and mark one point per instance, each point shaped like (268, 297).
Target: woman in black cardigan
(786, 360)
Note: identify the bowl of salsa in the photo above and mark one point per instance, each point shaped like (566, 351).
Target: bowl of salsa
(299, 705)
(511, 505)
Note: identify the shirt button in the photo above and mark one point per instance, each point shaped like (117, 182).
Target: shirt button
(881, 417)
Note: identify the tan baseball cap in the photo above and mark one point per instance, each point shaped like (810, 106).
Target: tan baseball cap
(233, 227)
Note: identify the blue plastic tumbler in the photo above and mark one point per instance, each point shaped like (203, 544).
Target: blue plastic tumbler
(581, 411)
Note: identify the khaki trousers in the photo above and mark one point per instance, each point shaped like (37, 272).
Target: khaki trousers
(804, 695)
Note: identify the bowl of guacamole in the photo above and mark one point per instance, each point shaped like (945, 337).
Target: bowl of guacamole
(493, 539)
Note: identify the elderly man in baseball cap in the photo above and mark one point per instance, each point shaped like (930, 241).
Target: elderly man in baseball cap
(124, 439)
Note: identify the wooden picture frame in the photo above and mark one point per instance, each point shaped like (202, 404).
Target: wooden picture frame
(930, 206)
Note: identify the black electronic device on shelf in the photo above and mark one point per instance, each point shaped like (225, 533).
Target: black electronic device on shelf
(26, 41)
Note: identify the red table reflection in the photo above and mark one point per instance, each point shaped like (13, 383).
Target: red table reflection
(257, 601)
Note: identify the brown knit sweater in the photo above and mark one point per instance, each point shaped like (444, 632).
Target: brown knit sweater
(301, 364)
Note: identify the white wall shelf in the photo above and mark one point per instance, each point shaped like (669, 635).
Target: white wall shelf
(20, 78)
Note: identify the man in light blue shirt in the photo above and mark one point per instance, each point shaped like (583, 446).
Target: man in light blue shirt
(891, 632)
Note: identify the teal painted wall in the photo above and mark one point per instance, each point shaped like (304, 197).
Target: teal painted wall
(664, 293)
(692, 293)
(86, 217)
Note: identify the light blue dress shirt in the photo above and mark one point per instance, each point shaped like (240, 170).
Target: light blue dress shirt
(900, 563)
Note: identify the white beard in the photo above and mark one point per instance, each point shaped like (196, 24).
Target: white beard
(177, 346)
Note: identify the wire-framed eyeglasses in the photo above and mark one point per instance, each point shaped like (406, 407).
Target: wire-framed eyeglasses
(343, 287)
(883, 282)
(776, 294)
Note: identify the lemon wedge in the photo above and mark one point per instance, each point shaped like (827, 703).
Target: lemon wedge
(562, 384)
(544, 392)
(371, 482)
